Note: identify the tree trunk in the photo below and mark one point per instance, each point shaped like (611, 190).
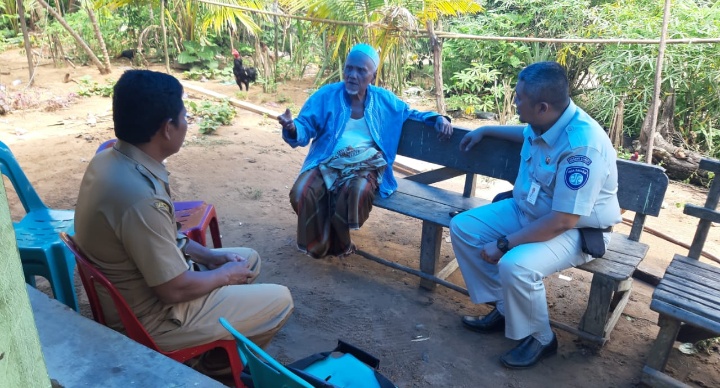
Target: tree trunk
(98, 35)
(680, 164)
(164, 34)
(436, 45)
(75, 35)
(26, 39)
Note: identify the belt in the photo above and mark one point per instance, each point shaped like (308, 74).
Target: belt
(609, 229)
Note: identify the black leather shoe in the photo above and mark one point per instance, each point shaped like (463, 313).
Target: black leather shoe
(528, 353)
(488, 324)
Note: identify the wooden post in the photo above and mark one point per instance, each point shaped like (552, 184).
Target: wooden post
(164, 33)
(650, 134)
(436, 45)
(26, 39)
(21, 358)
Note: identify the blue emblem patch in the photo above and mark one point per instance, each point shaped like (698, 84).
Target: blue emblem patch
(579, 159)
(576, 177)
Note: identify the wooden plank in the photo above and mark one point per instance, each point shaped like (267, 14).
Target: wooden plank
(596, 313)
(621, 243)
(679, 261)
(613, 270)
(695, 274)
(689, 298)
(688, 282)
(449, 269)
(660, 351)
(470, 185)
(419, 141)
(694, 292)
(707, 320)
(434, 176)
(709, 215)
(418, 208)
(438, 195)
(657, 379)
(617, 310)
(411, 271)
(708, 164)
(641, 187)
(429, 251)
(234, 102)
(582, 334)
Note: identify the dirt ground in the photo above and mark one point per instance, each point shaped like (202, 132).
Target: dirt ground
(246, 170)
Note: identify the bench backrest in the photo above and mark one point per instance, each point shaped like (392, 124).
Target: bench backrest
(641, 186)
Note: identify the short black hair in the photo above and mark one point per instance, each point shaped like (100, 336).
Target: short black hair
(142, 100)
(546, 82)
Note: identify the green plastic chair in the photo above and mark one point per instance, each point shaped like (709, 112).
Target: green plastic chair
(41, 251)
(265, 371)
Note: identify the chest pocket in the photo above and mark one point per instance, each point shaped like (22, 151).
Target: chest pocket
(544, 173)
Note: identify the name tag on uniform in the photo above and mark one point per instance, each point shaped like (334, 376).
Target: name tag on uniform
(533, 194)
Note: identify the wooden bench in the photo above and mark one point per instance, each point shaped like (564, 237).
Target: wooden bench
(641, 189)
(689, 292)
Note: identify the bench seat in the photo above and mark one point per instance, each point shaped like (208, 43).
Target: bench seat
(641, 189)
(428, 203)
(689, 292)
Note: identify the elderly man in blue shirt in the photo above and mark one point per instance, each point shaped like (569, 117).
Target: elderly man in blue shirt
(355, 129)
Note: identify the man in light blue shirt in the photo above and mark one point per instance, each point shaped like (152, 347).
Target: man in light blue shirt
(355, 129)
(567, 180)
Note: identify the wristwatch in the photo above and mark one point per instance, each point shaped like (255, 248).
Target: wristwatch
(503, 244)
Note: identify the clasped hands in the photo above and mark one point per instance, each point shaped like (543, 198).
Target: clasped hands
(236, 267)
(490, 253)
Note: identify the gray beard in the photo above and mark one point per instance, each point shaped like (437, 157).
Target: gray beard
(351, 92)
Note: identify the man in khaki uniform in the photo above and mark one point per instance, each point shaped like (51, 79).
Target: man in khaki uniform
(125, 223)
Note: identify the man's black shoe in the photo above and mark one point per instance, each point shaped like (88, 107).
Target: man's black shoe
(528, 353)
(488, 324)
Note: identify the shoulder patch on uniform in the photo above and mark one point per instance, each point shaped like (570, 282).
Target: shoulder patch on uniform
(576, 177)
(162, 205)
(579, 159)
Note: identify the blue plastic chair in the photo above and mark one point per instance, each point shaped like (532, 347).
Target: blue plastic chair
(265, 371)
(41, 251)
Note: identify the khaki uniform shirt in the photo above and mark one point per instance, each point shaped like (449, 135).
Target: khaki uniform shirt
(125, 223)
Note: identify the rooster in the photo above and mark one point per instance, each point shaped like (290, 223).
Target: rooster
(243, 75)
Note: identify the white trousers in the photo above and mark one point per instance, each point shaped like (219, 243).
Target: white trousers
(516, 282)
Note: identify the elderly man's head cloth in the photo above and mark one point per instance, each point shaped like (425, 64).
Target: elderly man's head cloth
(369, 51)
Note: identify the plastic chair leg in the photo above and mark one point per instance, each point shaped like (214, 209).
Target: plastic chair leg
(215, 233)
(63, 273)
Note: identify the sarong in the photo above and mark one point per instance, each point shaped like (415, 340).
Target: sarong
(326, 215)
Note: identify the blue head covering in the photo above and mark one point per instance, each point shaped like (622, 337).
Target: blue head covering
(369, 51)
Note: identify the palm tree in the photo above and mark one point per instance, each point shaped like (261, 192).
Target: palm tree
(387, 24)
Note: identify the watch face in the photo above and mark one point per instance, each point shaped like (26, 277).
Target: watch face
(502, 244)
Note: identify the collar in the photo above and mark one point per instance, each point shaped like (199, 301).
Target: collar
(156, 168)
(551, 135)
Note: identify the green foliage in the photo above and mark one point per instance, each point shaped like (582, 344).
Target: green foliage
(200, 56)
(197, 73)
(112, 26)
(88, 88)
(211, 115)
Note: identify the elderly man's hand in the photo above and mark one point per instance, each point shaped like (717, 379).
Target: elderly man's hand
(443, 128)
(286, 121)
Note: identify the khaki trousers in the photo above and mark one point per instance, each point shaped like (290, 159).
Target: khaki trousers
(257, 311)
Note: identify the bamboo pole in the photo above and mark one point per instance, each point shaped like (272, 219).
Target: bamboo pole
(234, 102)
(658, 86)
(98, 35)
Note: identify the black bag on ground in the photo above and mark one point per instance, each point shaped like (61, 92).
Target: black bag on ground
(345, 366)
